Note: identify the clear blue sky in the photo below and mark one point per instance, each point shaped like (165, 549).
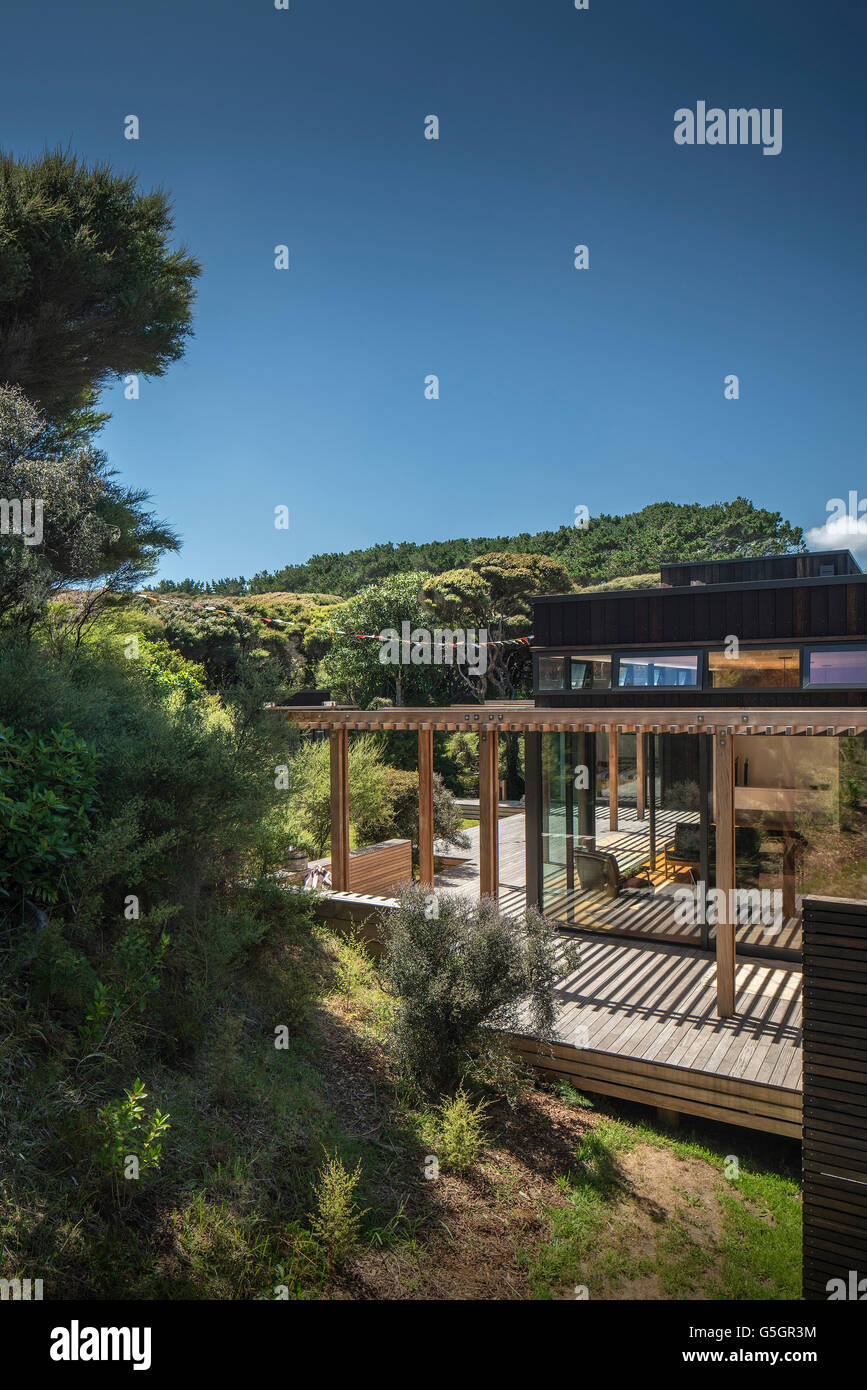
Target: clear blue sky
(454, 257)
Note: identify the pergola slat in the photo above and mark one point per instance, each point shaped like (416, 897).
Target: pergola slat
(531, 719)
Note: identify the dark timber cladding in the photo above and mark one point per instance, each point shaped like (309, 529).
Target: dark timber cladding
(772, 610)
(789, 610)
(745, 571)
(835, 1094)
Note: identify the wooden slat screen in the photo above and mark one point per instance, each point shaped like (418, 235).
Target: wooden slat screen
(835, 1093)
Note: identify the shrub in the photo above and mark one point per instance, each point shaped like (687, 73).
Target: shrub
(137, 963)
(167, 671)
(370, 804)
(399, 813)
(218, 641)
(125, 1131)
(494, 1068)
(455, 967)
(462, 1133)
(47, 793)
(336, 1221)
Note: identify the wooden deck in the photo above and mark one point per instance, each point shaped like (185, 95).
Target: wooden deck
(638, 1021)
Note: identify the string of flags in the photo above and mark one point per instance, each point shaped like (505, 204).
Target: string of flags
(317, 627)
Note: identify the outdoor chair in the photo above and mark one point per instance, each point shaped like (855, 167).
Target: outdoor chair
(686, 853)
(598, 868)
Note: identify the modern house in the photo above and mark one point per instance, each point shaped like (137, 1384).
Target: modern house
(622, 815)
(695, 765)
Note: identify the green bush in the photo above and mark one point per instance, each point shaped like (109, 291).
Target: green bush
(167, 671)
(370, 797)
(164, 799)
(397, 814)
(336, 1221)
(124, 1131)
(455, 967)
(462, 1133)
(47, 795)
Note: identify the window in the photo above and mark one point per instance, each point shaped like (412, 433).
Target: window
(835, 666)
(754, 669)
(659, 669)
(552, 671)
(590, 673)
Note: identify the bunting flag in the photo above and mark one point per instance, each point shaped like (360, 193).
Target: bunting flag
(314, 627)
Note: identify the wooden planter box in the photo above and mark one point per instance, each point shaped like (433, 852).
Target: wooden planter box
(378, 869)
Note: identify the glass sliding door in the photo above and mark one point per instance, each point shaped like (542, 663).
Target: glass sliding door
(800, 828)
(623, 880)
(567, 811)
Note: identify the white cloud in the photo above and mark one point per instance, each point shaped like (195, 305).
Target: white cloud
(840, 533)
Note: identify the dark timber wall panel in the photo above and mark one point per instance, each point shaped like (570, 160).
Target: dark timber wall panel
(783, 610)
(835, 1092)
(763, 613)
(742, 571)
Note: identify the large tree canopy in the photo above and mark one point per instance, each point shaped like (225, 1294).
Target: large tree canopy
(495, 592)
(352, 666)
(90, 288)
(66, 521)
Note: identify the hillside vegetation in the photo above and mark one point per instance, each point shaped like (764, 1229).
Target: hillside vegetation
(609, 546)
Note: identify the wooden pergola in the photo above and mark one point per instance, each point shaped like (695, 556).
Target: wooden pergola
(489, 720)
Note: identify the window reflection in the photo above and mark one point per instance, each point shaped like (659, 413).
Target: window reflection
(659, 669)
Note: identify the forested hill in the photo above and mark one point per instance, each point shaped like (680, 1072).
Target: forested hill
(606, 547)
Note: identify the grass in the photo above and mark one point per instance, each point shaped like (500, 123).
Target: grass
(562, 1191)
(597, 1240)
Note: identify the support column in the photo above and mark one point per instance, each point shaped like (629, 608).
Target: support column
(724, 782)
(533, 818)
(639, 776)
(651, 778)
(425, 807)
(612, 778)
(339, 811)
(704, 819)
(489, 867)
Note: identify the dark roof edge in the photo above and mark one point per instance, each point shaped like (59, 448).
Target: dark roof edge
(810, 581)
(749, 559)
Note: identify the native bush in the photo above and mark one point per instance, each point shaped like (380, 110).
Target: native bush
(124, 1131)
(462, 1132)
(336, 1220)
(455, 967)
(396, 815)
(157, 806)
(370, 798)
(47, 795)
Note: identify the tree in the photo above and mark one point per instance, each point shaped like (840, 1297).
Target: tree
(608, 548)
(68, 522)
(352, 665)
(89, 286)
(399, 818)
(669, 532)
(309, 779)
(495, 593)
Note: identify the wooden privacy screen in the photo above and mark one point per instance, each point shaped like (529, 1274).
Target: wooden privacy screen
(835, 1094)
(378, 868)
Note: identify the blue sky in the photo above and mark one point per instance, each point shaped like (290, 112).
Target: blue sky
(409, 257)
